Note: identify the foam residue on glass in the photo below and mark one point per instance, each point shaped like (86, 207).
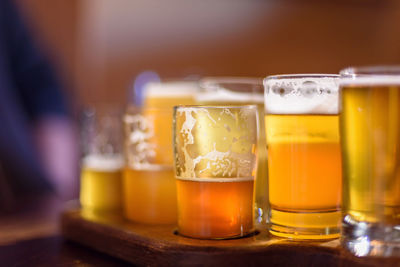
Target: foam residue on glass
(319, 94)
(139, 148)
(214, 143)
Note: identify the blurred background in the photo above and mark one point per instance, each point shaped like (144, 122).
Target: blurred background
(99, 46)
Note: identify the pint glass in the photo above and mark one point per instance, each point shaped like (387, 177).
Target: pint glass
(370, 132)
(304, 161)
(215, 151)
(242, 91)
(148, 181)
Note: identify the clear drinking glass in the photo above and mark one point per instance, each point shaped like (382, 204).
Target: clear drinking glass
(242, 91)
(304, 160)
(215, 151)
(102, 161)
(148, 179)
(370, 133)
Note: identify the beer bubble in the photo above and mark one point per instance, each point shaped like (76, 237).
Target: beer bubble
(308, 89)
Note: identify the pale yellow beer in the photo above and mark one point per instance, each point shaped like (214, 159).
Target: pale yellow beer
(370, 132)
(101, 183)
(371, 142)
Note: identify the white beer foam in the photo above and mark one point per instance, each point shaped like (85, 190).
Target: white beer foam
(217, 180)
(223, 95)
(371, 80)
(170, 89)
(308, 95)
(107, 163)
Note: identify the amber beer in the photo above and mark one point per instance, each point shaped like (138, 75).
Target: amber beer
(148, 179)
(215, 207)
(304, 157)
(215, 152)
(233, 91)
(151, 194)
(370, 130)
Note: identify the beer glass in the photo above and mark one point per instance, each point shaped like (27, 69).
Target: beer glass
(148, 179)
(304, 160)
(102, 162)
(169, 94)
(242, 91)
(215, 150)
(370, 133)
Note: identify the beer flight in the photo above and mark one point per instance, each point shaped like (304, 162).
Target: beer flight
(308, 156)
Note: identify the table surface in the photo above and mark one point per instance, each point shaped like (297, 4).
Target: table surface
(30, 236)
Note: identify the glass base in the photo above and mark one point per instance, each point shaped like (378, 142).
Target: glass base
(370, 239)
(249, 234)
(305, 226)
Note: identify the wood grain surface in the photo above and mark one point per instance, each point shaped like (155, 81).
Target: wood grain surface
(157, 245)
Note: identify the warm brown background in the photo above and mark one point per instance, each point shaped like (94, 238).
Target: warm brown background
(101, 45)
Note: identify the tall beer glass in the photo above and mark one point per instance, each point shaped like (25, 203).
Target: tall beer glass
(215, 151)
(102, 162)
(304, 164)
(242, 91)
(370, 132)
(148, 180)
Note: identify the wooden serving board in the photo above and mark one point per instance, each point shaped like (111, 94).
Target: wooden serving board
(147, 245)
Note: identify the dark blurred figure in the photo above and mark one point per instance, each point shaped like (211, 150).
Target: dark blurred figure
(37, 140)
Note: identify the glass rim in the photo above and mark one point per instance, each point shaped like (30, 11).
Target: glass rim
(134, 109)
(369, 71)
(215, 106)
(230, 80)
(301, 75)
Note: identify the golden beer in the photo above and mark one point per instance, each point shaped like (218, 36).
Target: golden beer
(304, 171)
(370, 132)
(304, 156)
(215, 151)
(151, 195)
(148, 181)
(101, 183)
(371, 141)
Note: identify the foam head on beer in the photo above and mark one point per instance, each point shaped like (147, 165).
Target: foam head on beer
(304, 162)
(319, 95)
(169, 94)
